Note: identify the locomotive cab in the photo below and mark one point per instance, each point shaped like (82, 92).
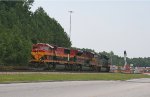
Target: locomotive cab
(41, 52)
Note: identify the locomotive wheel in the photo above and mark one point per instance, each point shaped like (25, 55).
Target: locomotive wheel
(107, 69)
(80, 67)
(75, 68)
(67, 67)
(49, 67)
(36, 65)
(92, 68)
(53, 66)
(71, 67)
(99, 69)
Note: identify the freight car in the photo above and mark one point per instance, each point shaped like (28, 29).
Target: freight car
(50, 56)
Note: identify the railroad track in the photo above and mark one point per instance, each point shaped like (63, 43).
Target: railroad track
(46, 72)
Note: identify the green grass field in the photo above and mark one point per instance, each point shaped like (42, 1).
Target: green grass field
(8, 78)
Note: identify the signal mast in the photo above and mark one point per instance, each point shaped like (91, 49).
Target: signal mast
(125, 60)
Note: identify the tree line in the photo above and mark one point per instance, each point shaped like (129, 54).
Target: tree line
(119, 61)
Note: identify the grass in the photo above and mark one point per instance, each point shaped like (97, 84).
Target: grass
(7, 78)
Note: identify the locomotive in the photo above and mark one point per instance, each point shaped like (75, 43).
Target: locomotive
(50, 56)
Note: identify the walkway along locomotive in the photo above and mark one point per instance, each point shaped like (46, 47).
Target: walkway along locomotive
(50, 56)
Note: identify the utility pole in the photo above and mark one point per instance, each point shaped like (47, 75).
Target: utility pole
(70, 24)
(111, 55)
(111, 59)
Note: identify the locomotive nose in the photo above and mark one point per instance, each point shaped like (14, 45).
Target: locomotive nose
(36, 55)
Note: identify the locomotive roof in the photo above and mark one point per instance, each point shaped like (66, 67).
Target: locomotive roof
(45, 44)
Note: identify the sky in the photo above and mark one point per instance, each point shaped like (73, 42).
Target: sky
(104, 25)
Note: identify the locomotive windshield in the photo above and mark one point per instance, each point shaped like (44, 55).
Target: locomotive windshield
(41, 47)
(44, 48)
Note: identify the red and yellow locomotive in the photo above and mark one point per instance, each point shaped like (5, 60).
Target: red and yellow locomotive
(49, 56)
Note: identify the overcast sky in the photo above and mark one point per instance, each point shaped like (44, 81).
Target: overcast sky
(104, 25)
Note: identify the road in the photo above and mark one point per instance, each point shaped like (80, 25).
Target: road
(130, 88)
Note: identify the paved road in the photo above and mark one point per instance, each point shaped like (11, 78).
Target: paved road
(130, 88)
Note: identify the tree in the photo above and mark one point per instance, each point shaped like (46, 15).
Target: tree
(49, 28)
(20, 28)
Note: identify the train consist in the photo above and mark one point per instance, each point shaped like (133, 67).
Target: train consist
(50, 57)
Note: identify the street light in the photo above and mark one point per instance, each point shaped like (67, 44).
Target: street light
(70, 34)
(70, 24)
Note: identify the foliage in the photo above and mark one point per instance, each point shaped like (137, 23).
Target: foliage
(48, 30)
(20, 28)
